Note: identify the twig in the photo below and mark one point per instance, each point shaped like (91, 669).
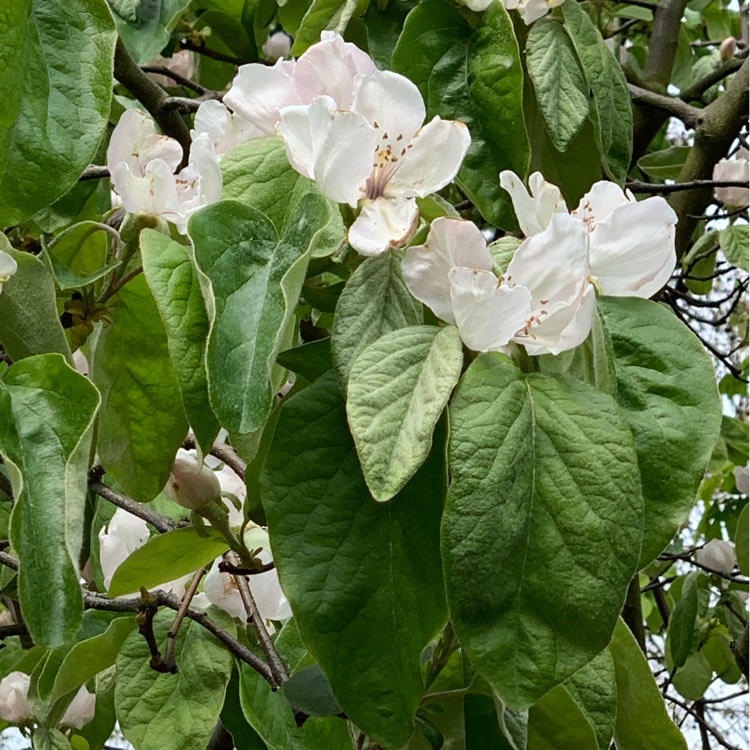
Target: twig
(144, 618)
(278, 668)
(162, 70)
(202, 49)
(647, 187)
(185, 104)
(94, 172)
(226, 567)
(628, 24)
(224, 453)
(684, 557)
(702, 721)
(6, 631)
(672, 105)
(697, 89)
(169, 656)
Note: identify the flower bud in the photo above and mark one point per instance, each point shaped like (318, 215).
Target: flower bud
(80, 711)
(727, 48)
(717, 555)
(14, 704)
(278, 46)
(192, 485)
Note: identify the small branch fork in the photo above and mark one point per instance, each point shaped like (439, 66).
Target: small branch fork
(224, 453)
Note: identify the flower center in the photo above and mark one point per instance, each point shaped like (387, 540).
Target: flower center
(388, 155)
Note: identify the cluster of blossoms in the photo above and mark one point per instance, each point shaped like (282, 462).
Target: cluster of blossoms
(16, 708)
(545, 299)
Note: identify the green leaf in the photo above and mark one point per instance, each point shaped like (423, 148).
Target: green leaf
(258, 173)
(741, 546)
(50, 739)
(46, 414)
(145, 25)
(374, 302)
(29, 322)
(77, 255)
(165, 558)
(595, 690)
(561, 89)
(642, 718)
(667, 389)
(142, 423)
(57, 85)
(398, 388)
(322, 15)
(311, 360)
(256, 277)
(309, 690)
(557, 721)
(734, 243)
(363, 579)
(88, 658)
(682, 621)
(717, 649)
(613, 117)
(665, 164)
(473, 75)
(545, 489)
(502, 252)
(160, 711)
(174, 283)
(692, 679)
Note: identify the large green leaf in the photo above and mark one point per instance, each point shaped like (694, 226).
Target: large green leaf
(258, 173)
(256, 276)
(473, 75)
(682, 621)
(165, 558)
(612, 113)
(557, 721)
(145, 25)
(545, 489)
(46, 415)
(160, 711)
(667, 388)
(733, 241)
(398, 388)
(142, 422)
(374, 302)
(642, 718)
(29, 323)
(561, 89)
(363, 578)
(320, 16)
(174, 283)
(57, 85)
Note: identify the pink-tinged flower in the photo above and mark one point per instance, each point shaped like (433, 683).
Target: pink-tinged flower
(377, 154)
(182, 63)
(729, 170)
(224, 129)
(718, 555)
(142, 163)
(328, 68)
(631, 243)
(742, 479)
(544, 300)
(222, 591)
(80, 711)
(14, 705)
(529, 10)
(278, 46)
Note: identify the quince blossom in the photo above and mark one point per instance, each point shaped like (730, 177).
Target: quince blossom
(377, 154)
(631, 243)
(530, 10)
(8, 267)
(543, 301)
(277, 46)
(718, 554)
(224, 129)
(737, 168)
(142, 164)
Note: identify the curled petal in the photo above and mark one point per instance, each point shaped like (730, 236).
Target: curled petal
(632, 250)
(431, 160)
(153, 193)
(727, 170)
(8, 267)
(384, 223)
(224, 129)
(534, 210)
(600, 202)
(450, 243)
(531, 10)
(136, 143)
(488, 313)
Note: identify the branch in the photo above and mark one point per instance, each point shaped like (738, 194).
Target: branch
(701, 721)
(169, 657)
(224, 453)
(696, 90)
(162, 70)
(94, 172)
(201, 49)
(672, 105)
(151, 96)
(720, 125)
(633, 614)
(186, 104)
(677, 187)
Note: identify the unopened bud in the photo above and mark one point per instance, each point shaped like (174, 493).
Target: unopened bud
(192, 485)
(717, 555)
(727, 48)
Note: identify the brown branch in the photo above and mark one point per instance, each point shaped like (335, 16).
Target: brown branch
(185, 104)
(676, 187)
(697, 89)
(672, 105)
(162, 70)
(202, 49)
(633, 614)
(700, 721)
(224, 453)
(740, 651)
(152, 97)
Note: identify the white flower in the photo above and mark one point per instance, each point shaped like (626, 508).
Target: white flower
(544, 301)
(142, 163)
(224, 129)
(14, 704)
(328, 68)
(192, 485)
(278, 46)
(742, 479)
(631, 243)
(81, 710)
(718, 555)
(530, 10)
(377, 153)
(222, 591)
(728, 170)
(8, 267)
(181, 62)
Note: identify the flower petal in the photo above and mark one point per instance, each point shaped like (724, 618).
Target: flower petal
(225, 129)
(450, 243)
(153, 194)
(431, 160)
(135, 142)
(329, 68)
(553, 264)
(8, 266)
(392, 104)
(383, 223)
(534, 211)
(487, 312)
(531, 10)
(737, 168)
(632, 251)
(260, 92)
(599, 203)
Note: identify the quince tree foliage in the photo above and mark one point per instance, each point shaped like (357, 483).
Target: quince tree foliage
(372, 373)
